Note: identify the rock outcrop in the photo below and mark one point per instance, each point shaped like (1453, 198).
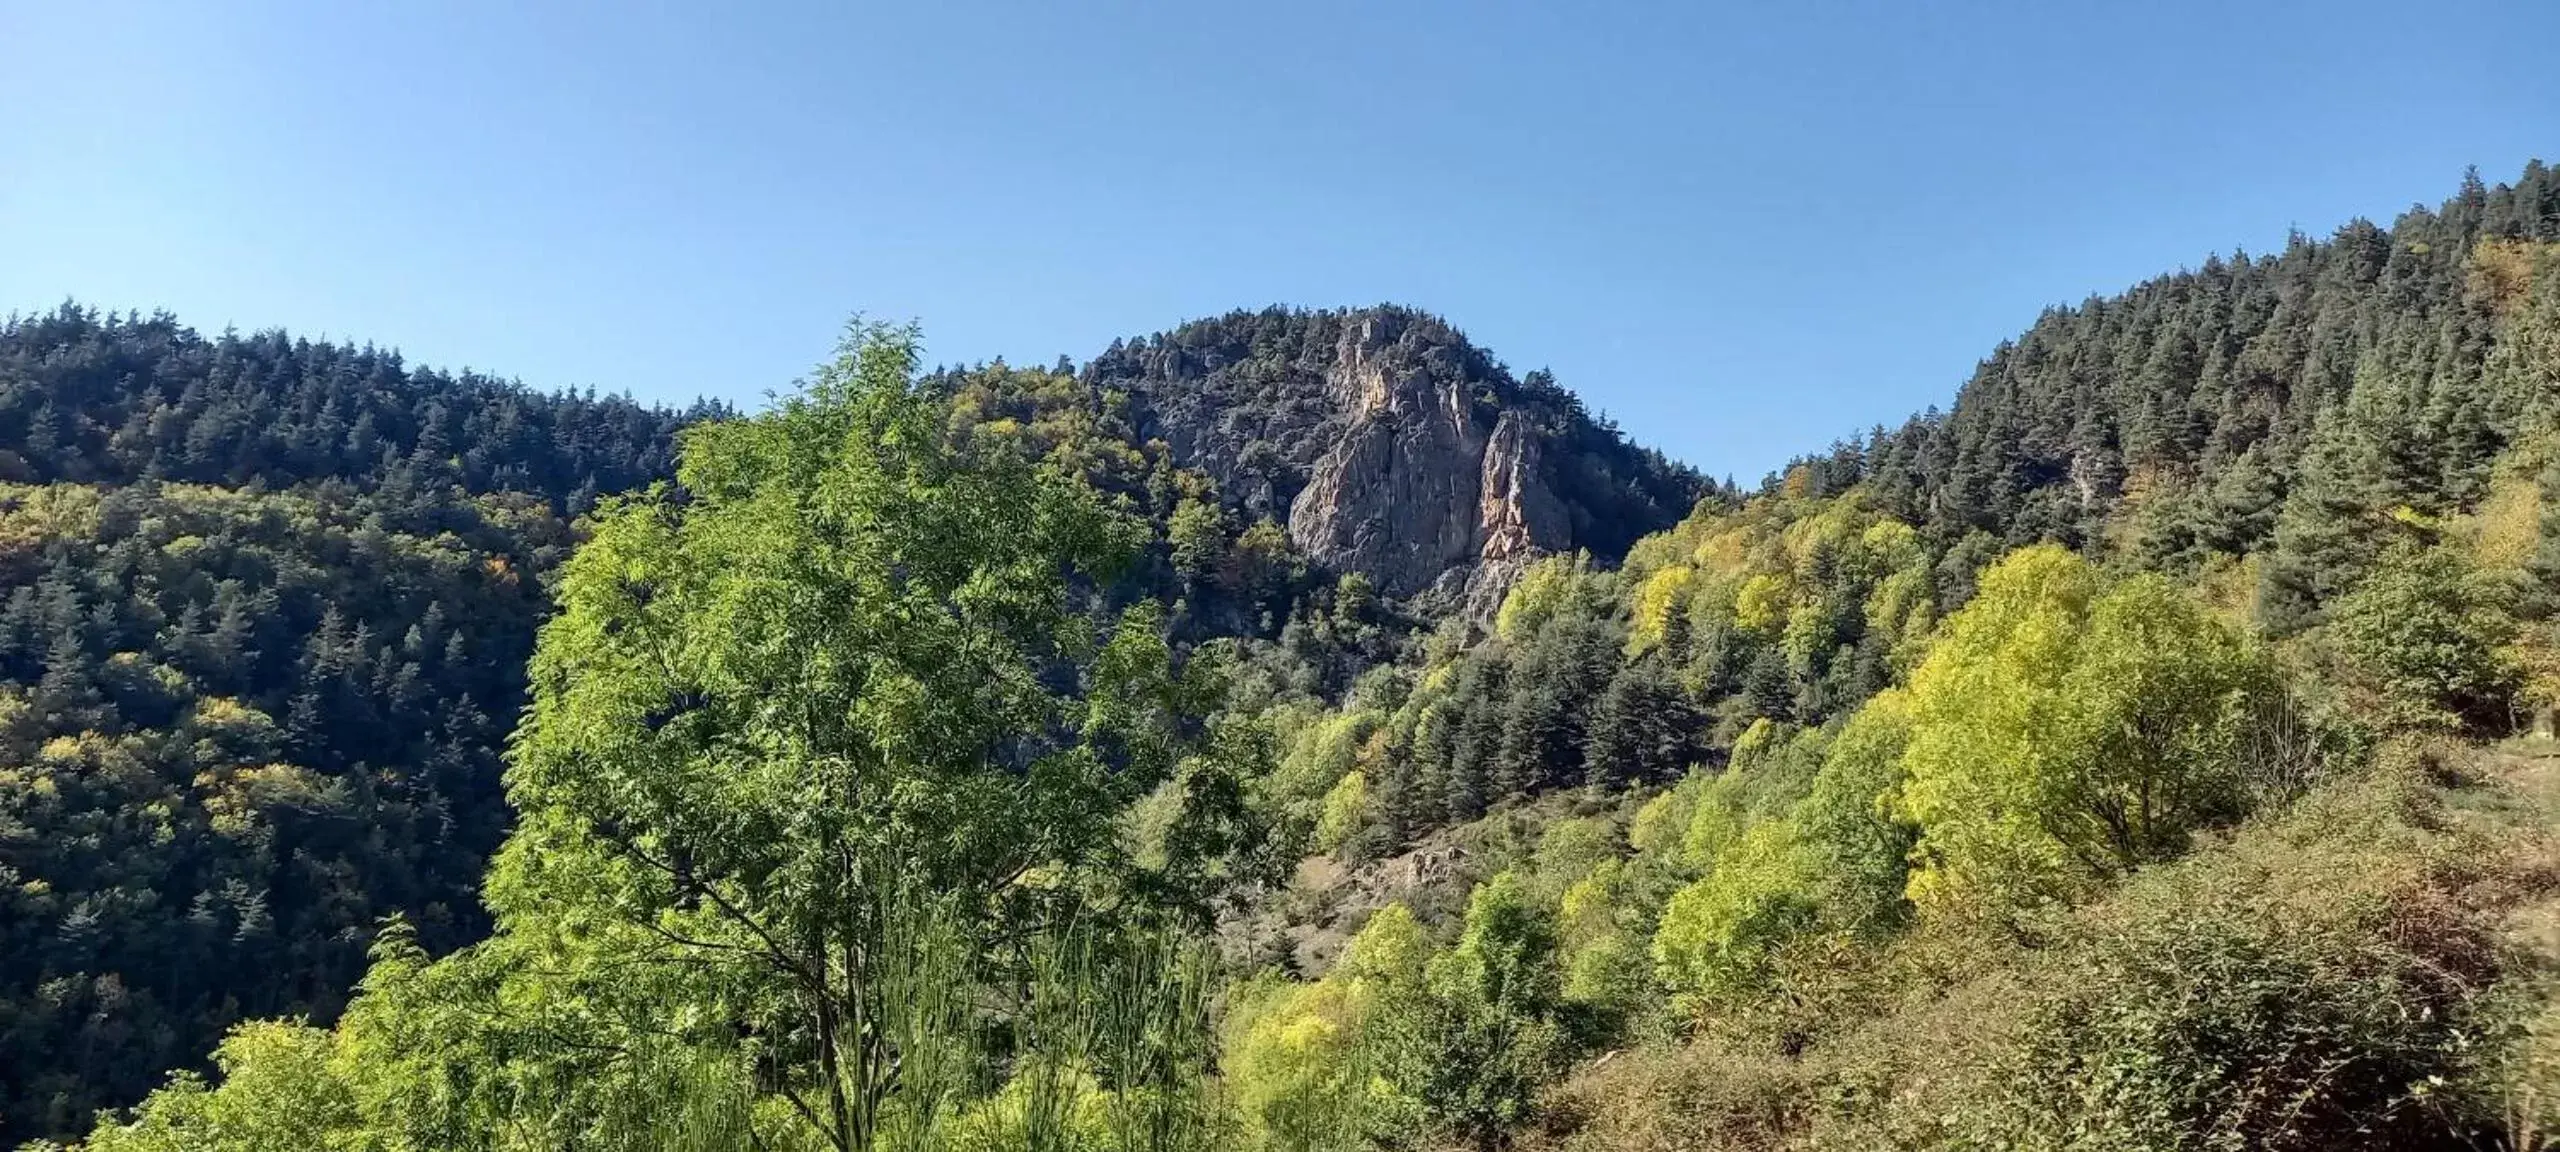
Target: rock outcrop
(1425, 482)
(1387, 444)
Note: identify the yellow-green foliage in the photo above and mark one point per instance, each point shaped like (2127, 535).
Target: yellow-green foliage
(1303, 1073)
(1658, 599)
(278, 1091)
(1761, 604)
(1052, 417)
(1602, 941)
(1900, 607)
(1770, 769)
(2325, 980)
(1859, 847)
(1792, 571)
(1755, 742)
(31, 514)
(1320, 748)
(1662, 824)
(1719, 934)
(1779, 855)
(1601, 953)
(2503, 270)
(1812, 632)
(2063, 732)
(1044, 1107)
(1389, 949)
(1493, 1038)
(2507, 526)
(1726, 551)
(1540, 591)
(1588, 909)
(1346, 808)
(1657, 550)
(1198, 532)
(1570, 849)
(1892, 545)
(1715, 822)
(1261, 556)
(2506, 534)
(1608, 972)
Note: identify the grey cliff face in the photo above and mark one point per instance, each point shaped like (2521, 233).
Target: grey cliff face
(1387, 444)
(1425, 488)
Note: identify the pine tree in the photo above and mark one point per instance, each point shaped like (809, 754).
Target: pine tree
(1639, 728)
(2333, 524)
(1474, 751)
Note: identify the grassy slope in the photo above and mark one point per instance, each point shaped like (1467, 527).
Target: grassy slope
(2364, 969)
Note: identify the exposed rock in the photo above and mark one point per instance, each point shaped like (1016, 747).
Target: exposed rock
(1387, 444)
(1424, 480)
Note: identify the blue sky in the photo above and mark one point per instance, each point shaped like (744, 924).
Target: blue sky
(1741, 229)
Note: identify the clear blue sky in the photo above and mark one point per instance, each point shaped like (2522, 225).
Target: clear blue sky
(1740, 229)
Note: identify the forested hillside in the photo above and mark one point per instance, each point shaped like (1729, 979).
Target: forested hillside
(267, 609)
(2065, 770)
(2277, 405)
(1295, 733)
(2268, 428)
(268, 605)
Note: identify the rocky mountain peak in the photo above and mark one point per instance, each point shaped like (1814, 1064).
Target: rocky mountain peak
(1388, 444)
(1427, 487)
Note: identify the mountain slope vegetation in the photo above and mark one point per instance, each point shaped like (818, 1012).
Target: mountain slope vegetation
(2135, 755)
(265, 610)
(268, 607)
(2179, 566)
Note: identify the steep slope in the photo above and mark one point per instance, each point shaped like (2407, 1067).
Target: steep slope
(2348, 974)
(1388, 444)
(2128, 665)
(2267, 427)
(2262, 403)
(264, 611)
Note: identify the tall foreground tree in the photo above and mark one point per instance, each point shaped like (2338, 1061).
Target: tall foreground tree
(824, 740)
